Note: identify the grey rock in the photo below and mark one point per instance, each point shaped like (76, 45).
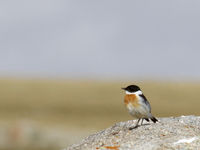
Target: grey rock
(169, 133)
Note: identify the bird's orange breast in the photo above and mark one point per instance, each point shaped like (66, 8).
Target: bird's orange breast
(131, 98)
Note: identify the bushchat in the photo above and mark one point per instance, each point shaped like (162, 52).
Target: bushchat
(137, 105)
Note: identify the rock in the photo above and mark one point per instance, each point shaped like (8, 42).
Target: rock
(169, 133)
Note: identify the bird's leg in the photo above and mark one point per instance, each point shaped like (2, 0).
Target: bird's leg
(135, 125)
(142, 121)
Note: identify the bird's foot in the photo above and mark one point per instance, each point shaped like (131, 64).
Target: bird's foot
(131, 128)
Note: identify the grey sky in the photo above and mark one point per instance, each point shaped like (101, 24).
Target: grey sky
(107, 38)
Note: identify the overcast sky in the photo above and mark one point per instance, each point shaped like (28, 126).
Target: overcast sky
(107, 38)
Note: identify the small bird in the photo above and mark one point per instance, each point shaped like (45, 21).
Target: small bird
(137, 105)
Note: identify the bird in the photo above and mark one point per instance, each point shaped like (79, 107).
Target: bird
(137, 105)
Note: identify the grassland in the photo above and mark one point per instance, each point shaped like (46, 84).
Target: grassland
(89, 105)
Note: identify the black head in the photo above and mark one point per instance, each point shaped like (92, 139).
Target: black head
(131, 88)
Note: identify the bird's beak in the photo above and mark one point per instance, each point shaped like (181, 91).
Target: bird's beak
(123, 88)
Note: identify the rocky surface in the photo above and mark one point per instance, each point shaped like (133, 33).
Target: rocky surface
(169, 133)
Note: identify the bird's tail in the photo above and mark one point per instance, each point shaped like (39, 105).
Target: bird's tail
(153, 119)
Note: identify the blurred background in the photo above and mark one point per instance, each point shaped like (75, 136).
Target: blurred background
(63, 63)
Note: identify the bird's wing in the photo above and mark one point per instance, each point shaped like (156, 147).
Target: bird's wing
(147, 105)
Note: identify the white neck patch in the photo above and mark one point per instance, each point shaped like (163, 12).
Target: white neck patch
(137, 93)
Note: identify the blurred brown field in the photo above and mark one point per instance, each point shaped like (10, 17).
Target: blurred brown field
(77, 108)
